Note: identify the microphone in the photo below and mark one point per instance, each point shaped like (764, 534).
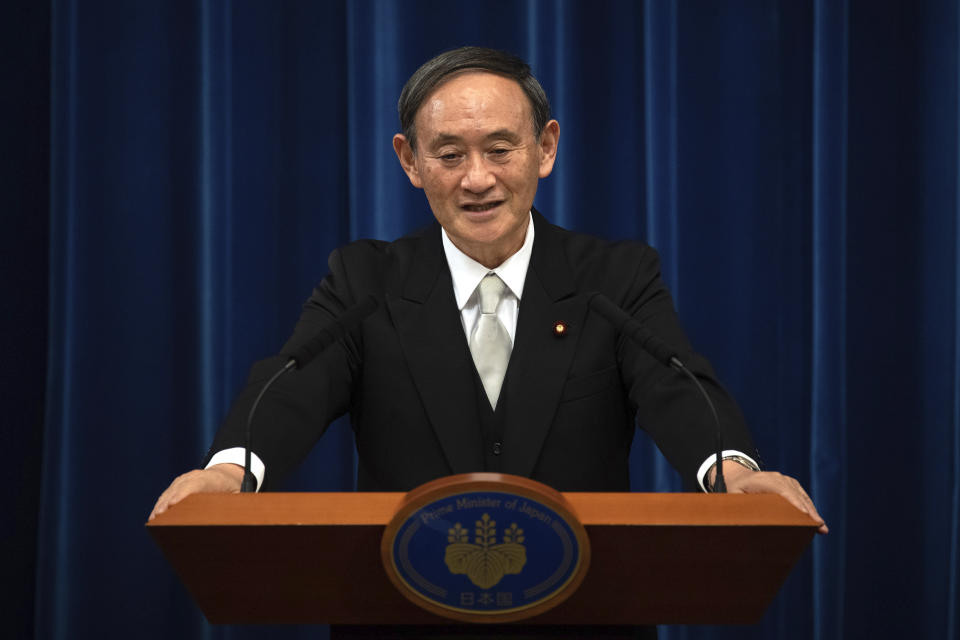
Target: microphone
(626, 324)
(298, 359)
(305, 353)
(663, 353)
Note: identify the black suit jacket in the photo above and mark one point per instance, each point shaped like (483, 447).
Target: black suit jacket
(406, 377)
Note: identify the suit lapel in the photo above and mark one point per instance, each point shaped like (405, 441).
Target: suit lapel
(540, 360)
(432, 338)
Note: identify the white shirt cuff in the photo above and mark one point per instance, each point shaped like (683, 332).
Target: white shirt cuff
(705, 467)
(236, 456)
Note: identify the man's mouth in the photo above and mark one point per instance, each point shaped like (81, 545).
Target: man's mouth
(481, 207)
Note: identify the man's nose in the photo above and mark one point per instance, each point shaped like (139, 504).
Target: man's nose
(478, 177)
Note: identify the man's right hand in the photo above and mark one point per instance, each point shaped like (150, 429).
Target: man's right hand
(220, 478)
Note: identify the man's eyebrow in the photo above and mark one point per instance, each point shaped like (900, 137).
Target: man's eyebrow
(505, 134)
(443, 138)
(448, 138)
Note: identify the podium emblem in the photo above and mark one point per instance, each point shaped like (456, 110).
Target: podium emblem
(478, 549)
(484, 561)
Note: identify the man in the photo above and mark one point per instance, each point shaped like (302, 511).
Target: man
(484, 354)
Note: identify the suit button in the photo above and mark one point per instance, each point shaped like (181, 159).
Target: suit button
(496, 448)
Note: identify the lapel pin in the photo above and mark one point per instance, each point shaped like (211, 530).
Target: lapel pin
(559, 329)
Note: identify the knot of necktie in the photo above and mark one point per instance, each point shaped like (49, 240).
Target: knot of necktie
(491, 292)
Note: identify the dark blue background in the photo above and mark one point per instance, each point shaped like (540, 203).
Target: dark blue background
(175, 173)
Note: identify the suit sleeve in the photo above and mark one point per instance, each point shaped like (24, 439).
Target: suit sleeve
(668, 405)
(301, 404)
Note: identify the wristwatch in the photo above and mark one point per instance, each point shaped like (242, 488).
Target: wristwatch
(740, 460)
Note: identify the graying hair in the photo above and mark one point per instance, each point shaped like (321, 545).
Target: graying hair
(433, 72)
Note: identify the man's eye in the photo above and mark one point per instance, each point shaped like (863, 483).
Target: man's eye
(450, 157)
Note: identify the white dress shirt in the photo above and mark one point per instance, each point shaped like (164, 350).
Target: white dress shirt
(467, 273)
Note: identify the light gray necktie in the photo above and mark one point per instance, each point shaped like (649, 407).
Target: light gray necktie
(490, 343)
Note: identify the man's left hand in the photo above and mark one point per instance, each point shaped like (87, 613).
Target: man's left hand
(740, 479)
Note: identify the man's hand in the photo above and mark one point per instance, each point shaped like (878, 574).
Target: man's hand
(220, 478)
(739, 479)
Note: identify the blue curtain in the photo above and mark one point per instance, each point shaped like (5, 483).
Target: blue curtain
(795, 162)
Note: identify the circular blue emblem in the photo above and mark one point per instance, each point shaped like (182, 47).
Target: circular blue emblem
(488, 553)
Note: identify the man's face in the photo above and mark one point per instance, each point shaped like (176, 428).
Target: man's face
(478, 162)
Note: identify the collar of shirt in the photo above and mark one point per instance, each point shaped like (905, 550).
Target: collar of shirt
(467, 273)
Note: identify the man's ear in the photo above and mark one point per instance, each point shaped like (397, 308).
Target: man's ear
(549, 139)
(406, 156)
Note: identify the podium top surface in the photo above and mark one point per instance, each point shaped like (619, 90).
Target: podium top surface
(351, 508)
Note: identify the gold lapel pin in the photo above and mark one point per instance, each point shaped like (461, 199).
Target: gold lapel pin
(559, 329)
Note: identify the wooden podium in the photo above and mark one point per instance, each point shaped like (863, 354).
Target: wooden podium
(315, 558)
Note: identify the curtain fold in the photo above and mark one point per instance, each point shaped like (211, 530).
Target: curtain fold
(53, 556)
(213, 223)
(659, 171)
(937, 331)
(953, 534)
(796, 165)
(828, 438)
